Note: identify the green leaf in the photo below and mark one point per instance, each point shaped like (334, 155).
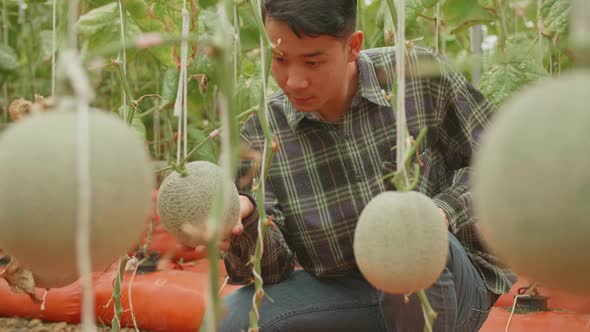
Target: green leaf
(555, 16)
(101, 26)
(136, 124)
(163, 17)
(169, 85)
(509, 74)
(139, 127)
(206, 152)
(428, 3)
(460, 14)
(46, 44)
(8, 59)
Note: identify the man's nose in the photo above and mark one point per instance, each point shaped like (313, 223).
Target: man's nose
(297, 80)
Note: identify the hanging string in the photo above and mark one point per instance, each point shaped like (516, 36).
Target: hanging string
(74, 70)
(181, 103)
(539, 27)
(401, 126)
(236, 45)
(124, 55)
(5, 40)
(437, 30)
(54, 45)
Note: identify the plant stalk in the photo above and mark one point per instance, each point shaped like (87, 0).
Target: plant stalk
(504, 30)
(116, 295)
(270, 147)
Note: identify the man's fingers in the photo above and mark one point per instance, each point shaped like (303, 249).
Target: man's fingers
(238, 229)
(202, 249)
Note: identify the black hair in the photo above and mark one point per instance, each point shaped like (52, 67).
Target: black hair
(313, 18)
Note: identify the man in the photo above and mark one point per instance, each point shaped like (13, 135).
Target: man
(336, 132)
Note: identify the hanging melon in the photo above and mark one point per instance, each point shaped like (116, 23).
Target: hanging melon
(532, 182)
(401, 242)
(39, 193)
(185, 202)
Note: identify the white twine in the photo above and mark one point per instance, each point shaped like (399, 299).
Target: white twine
(236, 45)
(539, 26)
(181, 103)
(401, 126)
(84, 210)
(437, 30)
(74, 71)
(124, 55)
(54, 45)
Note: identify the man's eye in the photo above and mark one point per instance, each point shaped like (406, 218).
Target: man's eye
(312, 63)
(280, 60)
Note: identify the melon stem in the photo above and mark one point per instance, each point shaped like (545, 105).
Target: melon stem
(203, 142)
(429, 313)
(127, 89)
(116, 295)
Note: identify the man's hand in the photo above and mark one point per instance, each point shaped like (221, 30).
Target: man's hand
(246, 210)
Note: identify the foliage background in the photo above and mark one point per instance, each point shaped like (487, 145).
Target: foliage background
(500, 45)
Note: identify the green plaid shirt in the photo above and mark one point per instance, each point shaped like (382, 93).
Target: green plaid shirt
(325, 173)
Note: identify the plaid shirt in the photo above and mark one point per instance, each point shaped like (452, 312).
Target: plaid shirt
(325, 173)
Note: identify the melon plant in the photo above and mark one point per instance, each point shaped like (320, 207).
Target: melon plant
(185, 201)
(401, 242)
(39, 193)
(532, 182)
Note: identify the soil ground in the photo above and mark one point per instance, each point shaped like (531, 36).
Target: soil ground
(36, 325)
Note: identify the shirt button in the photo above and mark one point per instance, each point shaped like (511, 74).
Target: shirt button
(358, 178)
(346, 136)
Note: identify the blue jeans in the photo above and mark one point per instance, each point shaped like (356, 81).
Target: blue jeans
(305, 303)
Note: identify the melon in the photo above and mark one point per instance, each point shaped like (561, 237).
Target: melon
(531, 182)
(401, 242)
(185, 201)
(39, 193)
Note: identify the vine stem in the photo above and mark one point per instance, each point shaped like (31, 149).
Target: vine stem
(405, 148)
(116, 295)
(429, 313)
(226, 101)
(211, 136)
(270, 148)
(127, 90)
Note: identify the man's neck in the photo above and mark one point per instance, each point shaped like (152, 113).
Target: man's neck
(334, 111)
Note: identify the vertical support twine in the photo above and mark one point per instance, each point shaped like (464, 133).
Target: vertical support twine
(124, 59)
(437, 29)
(54, 45)
(5, 40)
(84, 214)
(539, 28)
(181, 103)
(401, 126)
(84, 94)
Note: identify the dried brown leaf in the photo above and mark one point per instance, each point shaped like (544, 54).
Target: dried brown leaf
(20, 280)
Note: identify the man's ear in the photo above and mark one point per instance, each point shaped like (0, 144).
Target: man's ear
(355, 44)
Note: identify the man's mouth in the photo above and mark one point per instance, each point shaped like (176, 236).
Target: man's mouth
(301, 101)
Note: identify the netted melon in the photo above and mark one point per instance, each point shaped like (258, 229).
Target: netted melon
(40, 188)
(532, 182)
(185, 202)
(401, 242)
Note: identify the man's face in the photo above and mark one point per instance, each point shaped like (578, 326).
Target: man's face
(312, 71)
